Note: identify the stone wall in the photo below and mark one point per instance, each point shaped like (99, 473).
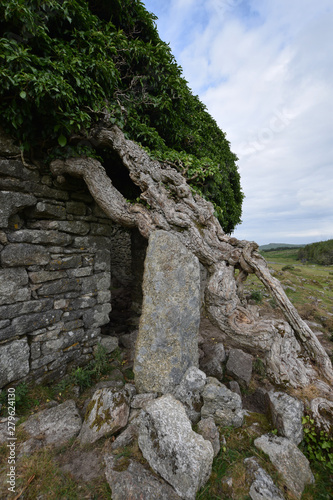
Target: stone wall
(57, 249)
(55, 255)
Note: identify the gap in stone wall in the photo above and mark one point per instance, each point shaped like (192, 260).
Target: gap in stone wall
(128, 255)
(119, 176)
(127, 266)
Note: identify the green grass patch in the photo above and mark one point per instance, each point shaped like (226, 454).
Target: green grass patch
(288, 255)
(229, 479)
(49, 481)
(308, 286)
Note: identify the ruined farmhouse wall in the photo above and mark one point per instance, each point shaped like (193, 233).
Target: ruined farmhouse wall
(55, 271)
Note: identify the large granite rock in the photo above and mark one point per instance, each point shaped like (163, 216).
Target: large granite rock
(173, 450)
(167, 343)
(14, 361)
(53, 426)
(223, 405)
(188, 392)
(288, 460)
(287, 413)
(107, 413)
(239, 365)
(209, 431)
(135, 482)
(262, 486)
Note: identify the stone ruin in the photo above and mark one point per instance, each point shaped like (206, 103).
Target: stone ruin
(60, 258)
(57, 248)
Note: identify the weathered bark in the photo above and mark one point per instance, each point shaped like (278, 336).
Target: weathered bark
(322, 412)
(292, 352)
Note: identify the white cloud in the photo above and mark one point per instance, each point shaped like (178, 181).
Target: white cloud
(265, 72)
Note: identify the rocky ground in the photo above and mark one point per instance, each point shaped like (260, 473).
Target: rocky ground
(56, 458)
(69, 447)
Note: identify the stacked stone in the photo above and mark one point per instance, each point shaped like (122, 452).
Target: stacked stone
(55, 253)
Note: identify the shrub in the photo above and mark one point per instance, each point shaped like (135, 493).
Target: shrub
(259, 367)
(319, 253)
(101, 364)
(82, 377)
(288, 268)
(85, 377)
(66, 64)
(256, 296)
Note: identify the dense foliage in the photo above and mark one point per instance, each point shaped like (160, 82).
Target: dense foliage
(318, 253)
(66, 64)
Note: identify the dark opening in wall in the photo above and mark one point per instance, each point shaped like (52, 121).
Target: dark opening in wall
(127, 256)
(119, 176)
(127, 267)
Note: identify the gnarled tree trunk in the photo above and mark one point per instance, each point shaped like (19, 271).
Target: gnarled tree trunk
(292, 353)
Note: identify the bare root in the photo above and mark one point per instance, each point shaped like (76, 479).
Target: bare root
(292, 352)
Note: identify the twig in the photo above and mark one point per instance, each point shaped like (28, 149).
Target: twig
(26, 486)
(23, 160)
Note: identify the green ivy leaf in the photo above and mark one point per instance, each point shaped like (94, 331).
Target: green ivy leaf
(62, 140)
(72, 60)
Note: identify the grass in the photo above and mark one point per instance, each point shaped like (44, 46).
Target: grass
(308, 286)
(229, 479)
(323, 487)
(49, 481)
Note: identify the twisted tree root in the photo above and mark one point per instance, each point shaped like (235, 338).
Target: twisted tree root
(292, 352)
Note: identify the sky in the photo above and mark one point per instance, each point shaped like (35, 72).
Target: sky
(264, 69)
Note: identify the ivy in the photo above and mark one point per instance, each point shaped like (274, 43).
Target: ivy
(64, 64)
(317, 444)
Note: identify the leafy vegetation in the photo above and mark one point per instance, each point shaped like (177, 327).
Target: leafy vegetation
(319, 253)
(68, 65)
(85, 377)
(317, 444)
(256, 295)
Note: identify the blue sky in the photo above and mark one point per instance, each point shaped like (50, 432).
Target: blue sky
(264, 69)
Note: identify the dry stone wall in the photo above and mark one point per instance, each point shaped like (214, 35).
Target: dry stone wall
(55, 272)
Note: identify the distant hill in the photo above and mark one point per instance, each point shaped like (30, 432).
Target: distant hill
(278, 246)
(318, 253)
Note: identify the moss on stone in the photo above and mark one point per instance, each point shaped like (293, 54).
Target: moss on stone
(90, 408)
